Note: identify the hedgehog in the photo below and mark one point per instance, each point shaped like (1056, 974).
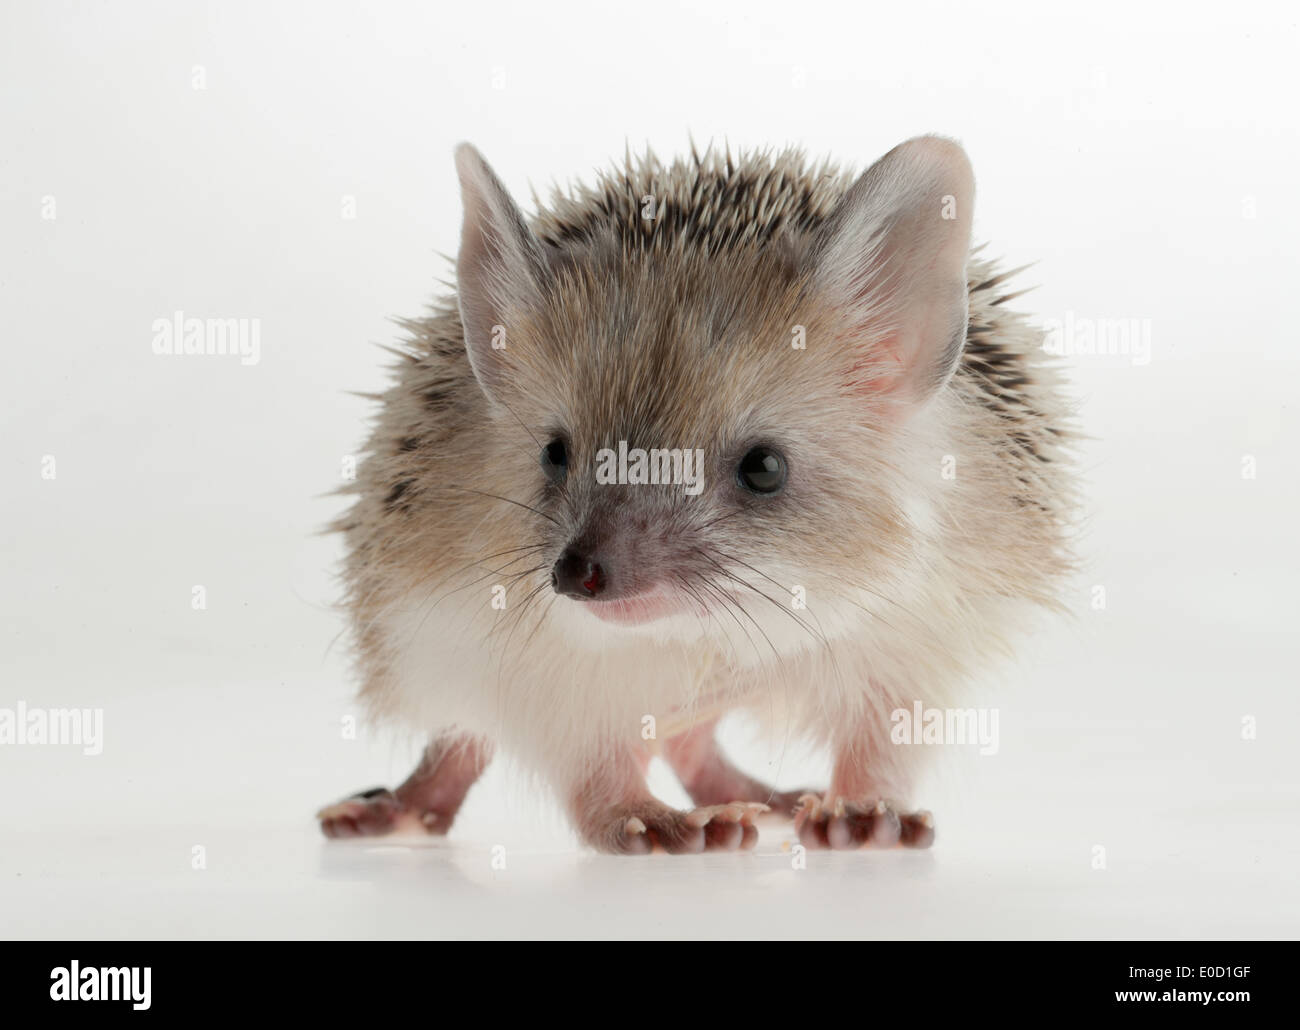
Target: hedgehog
(737, 434)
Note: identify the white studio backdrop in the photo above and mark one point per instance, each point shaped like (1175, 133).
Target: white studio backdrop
(290, 163)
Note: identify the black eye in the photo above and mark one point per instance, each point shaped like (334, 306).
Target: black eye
(762, 470)
(555, 461)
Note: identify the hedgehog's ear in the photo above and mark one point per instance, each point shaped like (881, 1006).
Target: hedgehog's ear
(892, 257)
(500, 268)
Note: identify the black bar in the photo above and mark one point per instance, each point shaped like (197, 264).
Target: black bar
(979, 980)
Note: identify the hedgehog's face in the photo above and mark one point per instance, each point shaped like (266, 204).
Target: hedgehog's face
(715, 441)
(695, 466)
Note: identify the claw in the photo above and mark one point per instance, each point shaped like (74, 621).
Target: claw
(810, 805)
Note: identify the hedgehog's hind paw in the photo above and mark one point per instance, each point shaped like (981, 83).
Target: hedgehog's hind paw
(375, 813)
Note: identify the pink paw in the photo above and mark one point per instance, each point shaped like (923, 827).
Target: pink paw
(639, 831)
(376, 812)
(847, 825)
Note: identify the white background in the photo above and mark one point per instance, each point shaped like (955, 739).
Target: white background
(1145, 158)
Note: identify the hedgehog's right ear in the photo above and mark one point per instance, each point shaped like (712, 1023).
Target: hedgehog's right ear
(891, 258)
(500, 268)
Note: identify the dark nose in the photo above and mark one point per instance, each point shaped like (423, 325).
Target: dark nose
(576, 575)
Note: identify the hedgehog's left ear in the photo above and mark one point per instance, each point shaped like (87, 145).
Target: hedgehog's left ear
(500, 268)
(892, 259)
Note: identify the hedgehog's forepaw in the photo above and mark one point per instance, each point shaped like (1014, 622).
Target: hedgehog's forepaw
(849, 825)
(656, 827)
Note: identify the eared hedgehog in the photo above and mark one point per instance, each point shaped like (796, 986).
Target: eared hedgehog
(731, 434)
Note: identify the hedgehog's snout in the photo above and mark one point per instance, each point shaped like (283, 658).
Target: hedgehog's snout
(576, 574)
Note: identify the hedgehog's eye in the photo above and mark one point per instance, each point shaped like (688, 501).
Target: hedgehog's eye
(762, 470)
(555, 461)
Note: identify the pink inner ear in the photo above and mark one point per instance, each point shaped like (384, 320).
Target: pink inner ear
(878, 371)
